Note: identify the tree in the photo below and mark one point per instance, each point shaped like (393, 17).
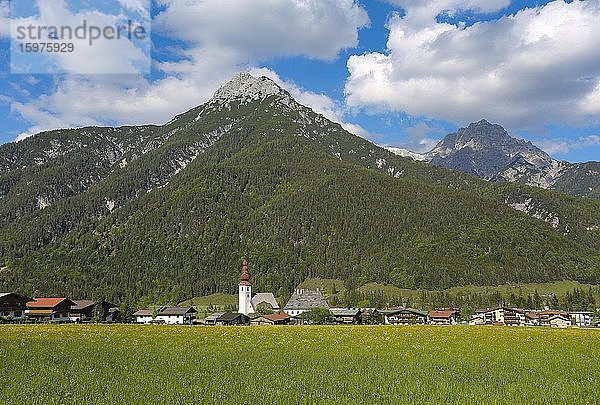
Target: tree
(317, 316)
(374, 318)
(264, 308)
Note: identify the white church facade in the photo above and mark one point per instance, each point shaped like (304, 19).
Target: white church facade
(248, 304)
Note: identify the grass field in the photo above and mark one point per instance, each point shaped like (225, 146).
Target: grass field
(131, 364)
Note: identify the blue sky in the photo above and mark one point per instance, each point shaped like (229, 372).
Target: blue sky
(398, 72)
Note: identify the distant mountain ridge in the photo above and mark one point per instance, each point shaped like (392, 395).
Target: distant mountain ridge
(487, 151)
(165, 213)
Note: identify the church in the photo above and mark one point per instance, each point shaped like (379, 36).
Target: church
(247, 304)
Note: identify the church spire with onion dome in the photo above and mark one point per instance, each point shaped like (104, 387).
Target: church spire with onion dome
(245, 291)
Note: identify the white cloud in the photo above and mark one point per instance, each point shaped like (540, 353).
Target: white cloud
(531, 68)
(320, 103)
(221, 38)
(564, 146)
(261, 29)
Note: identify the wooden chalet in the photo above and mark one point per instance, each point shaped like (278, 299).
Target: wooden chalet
(346, 316)
(404, 316)
(50, 309)
(13, 306)
(499, 315)
(445, 316)
(271, 319)
(212, 319)
(233, 319)
(86, 310)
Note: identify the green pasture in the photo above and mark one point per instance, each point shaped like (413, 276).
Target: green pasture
(130, 364)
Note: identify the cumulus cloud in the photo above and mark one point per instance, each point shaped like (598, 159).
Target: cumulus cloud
(261, 29)
(536, 67)
(216, 39)
(98, 56)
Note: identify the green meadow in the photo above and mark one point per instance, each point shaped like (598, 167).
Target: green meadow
(130, 364)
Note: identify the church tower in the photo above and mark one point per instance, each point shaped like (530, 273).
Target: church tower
(245, 292)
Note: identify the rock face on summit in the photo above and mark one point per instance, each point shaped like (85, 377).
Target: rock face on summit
(486, 150)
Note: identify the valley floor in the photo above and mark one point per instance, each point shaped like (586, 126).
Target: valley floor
(103, 364)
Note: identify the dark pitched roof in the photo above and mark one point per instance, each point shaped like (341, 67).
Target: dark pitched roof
(345, 311)
(230, 317)
(83, 304)
(20, 296)
(175, 311)
(305, 300)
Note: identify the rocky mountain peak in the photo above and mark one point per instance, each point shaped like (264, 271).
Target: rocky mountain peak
(244, 87)
(484, 149)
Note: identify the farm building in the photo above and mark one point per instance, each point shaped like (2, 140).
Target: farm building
(13, 306)
(233, 319)
(166, 315)
(404, 316)
(271, 319)
(304, 300)
(346, 315)
(446, 316)
(86, 310)
(50, 309)
(176, 315)
(143, 316)
(212, 319)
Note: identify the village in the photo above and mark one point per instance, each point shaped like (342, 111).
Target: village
(304, 307)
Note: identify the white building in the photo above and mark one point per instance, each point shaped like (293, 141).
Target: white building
(304, 300)
(175, 315)
(582, 319)
(245, 292)
(559, 321)
(166, 315)
(143, 316)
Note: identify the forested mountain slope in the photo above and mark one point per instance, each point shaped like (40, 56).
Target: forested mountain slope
(253, 173)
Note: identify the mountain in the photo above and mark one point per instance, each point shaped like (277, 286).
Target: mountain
(487, 151)
(164, 213)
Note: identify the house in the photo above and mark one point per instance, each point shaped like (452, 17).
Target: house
(583, 319)
(404, 316)
(500, 315)
(143, 316)
(559, 321)
(271, 319)
(50, 309)
(13, 306)
(212, 319)
(545, 316)
(175, 315)
(445, 316)
(477, 319)
(304, 300)
(166, 316)
(346, 316)
(265, 299)
(233, 319)
(86, 310)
